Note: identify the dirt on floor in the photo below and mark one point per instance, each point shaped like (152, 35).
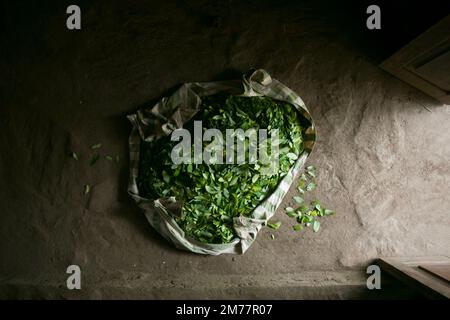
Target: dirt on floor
(382, 152)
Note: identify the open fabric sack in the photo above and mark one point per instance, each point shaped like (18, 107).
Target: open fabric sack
(171, 113)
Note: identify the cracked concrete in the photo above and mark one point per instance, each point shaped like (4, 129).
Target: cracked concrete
(382, 152)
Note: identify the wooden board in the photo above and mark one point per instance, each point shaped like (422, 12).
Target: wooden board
(441, 270)
(407, 270)
(424, 63)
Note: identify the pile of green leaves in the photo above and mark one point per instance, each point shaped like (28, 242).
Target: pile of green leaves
(212, 195)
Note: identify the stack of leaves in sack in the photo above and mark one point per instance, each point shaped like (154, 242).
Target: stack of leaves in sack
(213, 194)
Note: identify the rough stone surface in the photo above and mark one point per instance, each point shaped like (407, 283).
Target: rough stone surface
(383, 151)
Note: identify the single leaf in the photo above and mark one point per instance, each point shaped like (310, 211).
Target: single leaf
(117, 159)
(272, 236)
(321, 211)
(311, 186)
(94, 159)
(313, 213)
(298, 199)
(109, 158)
(275, 225)
(96, 146)
(292, 214)
(165, 176)
(314, 203)
(316, 225)
(234, 181)
(75, 156)
(297, 227)
(289, 209)
(303, 209)
(311, 171)
(318, 207)
(301, 183)
(87, 189)
(305, 219)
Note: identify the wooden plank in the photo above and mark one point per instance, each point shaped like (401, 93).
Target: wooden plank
(401, 63)
(407, 270)
(441, 270)
(437, 70)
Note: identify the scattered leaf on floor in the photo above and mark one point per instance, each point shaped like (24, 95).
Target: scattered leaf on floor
(275, 225)
(298, 199)
(311, 186)
(96, 146)
(94, 159)
(316, 225)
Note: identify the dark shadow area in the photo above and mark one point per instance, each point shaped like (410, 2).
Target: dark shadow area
(401, 22)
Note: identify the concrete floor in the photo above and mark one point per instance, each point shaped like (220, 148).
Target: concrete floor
(383, 151)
